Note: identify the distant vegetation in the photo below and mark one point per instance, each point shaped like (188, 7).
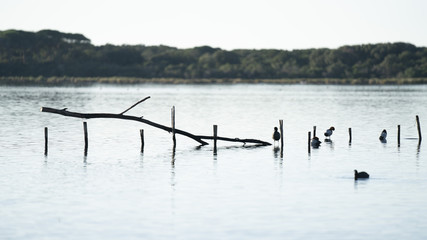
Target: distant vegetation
(50, 55)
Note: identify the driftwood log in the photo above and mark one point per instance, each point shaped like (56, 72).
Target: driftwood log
(64, 112)
(197, 138)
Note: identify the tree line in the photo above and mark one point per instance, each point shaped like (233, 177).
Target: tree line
(51, 53)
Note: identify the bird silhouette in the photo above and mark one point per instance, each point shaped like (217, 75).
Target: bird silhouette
(276, 135)
(329, 132)
(315, 142)
(383, 135)
(358, 175)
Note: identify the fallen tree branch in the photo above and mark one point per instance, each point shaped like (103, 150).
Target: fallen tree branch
(64, 112)
(256, 141)
(197, 138)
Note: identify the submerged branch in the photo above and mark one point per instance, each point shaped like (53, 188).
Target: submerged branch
(246, 140)
(197, 138)
(120, 116)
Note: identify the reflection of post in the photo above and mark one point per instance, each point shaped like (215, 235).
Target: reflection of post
(281, 137)
(45, 140)
(141, 133)
(419, 129)
(86, 137)
(173, 126)
(314, 131)
(349, 135)
(215, 134)
(309, 138)
(398, 135)
(173, 157)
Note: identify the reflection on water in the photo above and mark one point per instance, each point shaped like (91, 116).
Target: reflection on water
(243, 192)
(276, 151)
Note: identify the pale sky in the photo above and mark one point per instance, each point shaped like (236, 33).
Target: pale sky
(227, 24)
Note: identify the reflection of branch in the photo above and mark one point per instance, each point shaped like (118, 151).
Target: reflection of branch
(120, 116)
(135, 105)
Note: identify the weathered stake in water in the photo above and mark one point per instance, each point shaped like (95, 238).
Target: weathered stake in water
(398, 135)
(281, 137)
(141, 133)
(419, 129)
(45, 140)
(308, 141)
(86, 137)
(173, 126)
(349, 135)
(215, 137)
(314, 131)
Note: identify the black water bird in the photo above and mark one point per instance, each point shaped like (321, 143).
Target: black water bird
(329, 132)
(383, 135)
(358, 175)
(276, 135)
(315, 142)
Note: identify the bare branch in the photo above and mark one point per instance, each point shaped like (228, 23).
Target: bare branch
(120, 116)
(135, 105)
(197, 138)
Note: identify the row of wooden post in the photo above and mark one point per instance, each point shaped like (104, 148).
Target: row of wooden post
(215, 135)
(350, 134)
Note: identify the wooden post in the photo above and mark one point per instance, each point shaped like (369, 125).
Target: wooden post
(309, 138)
(419, 129)
(86, 137)
(141, 133)
(314, 131)
(45, 140)
(215, 135)
(173, 126)
(398, 135)
(349, 135)
(281, 135)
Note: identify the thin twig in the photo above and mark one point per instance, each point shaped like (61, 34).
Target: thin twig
(135, 105)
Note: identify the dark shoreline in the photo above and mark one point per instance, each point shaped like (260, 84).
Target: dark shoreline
(132, 80)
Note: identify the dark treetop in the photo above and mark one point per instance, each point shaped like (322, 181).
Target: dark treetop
(51, 53)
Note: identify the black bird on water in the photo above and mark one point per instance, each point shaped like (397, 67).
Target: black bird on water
(358, 175)
(276, 135)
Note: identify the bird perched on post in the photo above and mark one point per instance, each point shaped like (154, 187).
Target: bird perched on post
(358, 175)
(329, 132)
(276, 135)
(383, 135)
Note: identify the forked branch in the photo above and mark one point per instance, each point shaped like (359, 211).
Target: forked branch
(197, 138)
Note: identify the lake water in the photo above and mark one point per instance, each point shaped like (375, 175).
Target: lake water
(243, 192)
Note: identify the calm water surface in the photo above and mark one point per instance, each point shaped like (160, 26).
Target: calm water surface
(244, 192)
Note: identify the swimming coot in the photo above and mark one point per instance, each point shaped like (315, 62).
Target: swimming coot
(358, 175)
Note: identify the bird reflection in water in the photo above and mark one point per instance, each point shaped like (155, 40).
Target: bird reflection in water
(276, 151)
